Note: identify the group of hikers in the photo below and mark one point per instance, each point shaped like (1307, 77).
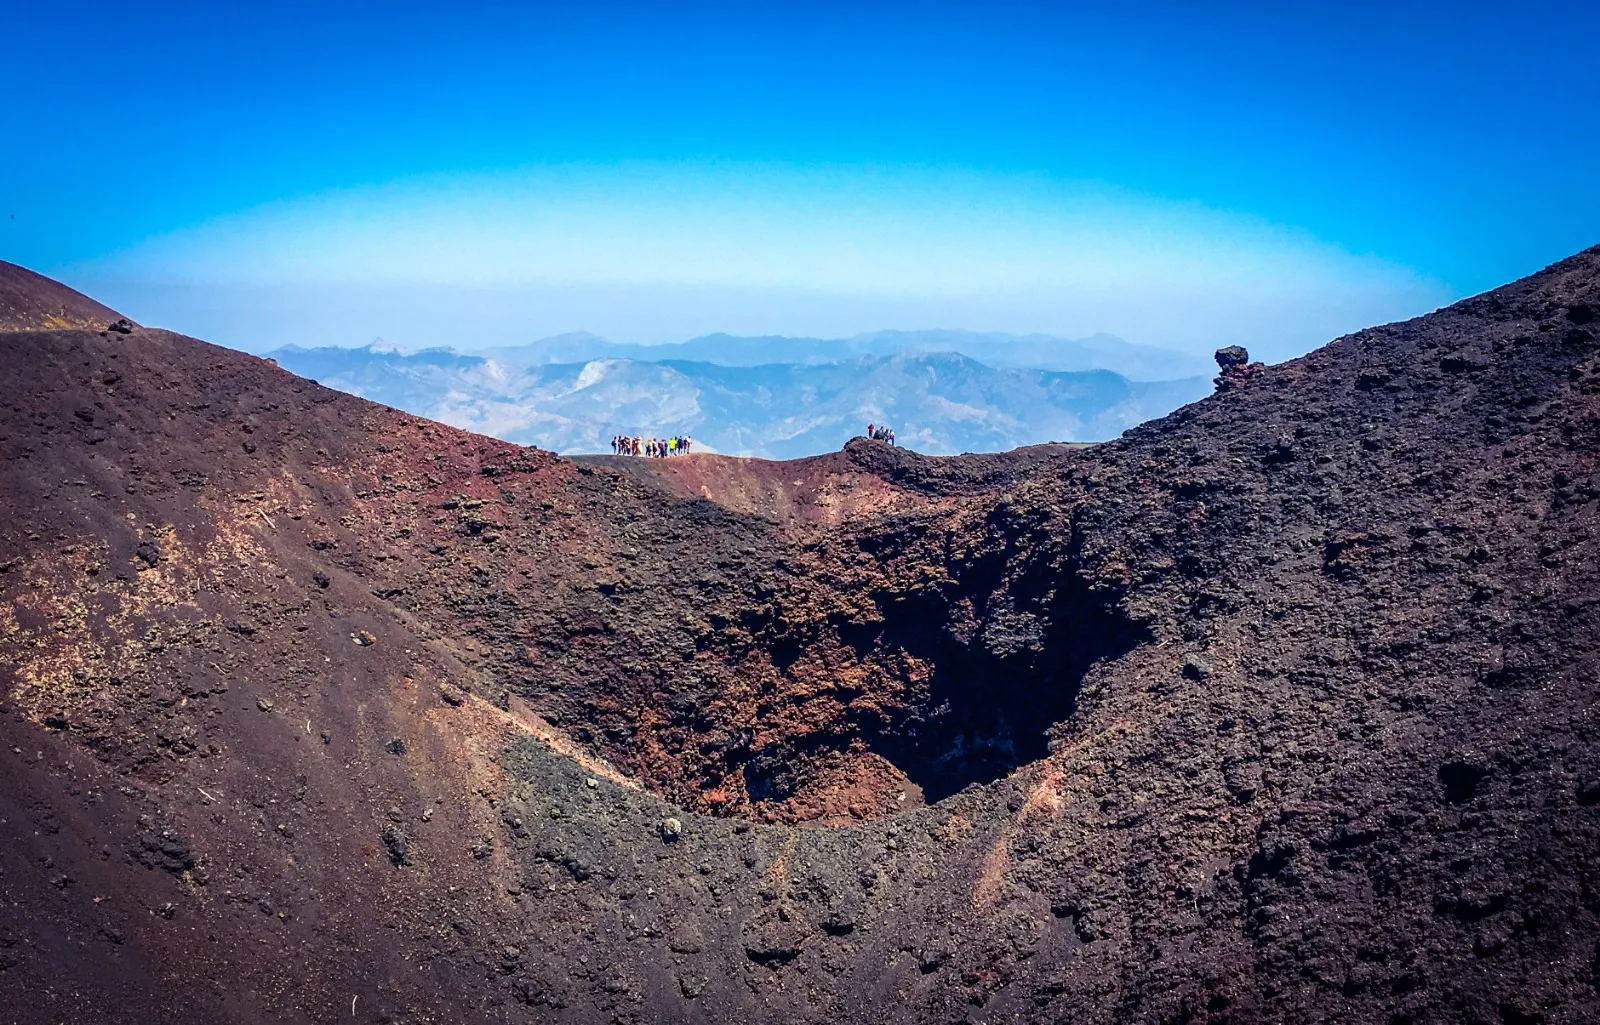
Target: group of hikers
(682, 444)
(677, 445)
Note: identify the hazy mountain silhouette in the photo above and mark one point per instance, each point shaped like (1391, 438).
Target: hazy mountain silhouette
(937, 402)
(1036, 351)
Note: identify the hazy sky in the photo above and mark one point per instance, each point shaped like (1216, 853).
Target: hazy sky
(476, 174)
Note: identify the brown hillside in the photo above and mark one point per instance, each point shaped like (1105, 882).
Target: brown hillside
(1282, 708)
(864, 480)
(33, 302)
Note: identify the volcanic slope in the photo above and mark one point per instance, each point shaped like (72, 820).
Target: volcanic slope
(1280, 708)
(33, 302)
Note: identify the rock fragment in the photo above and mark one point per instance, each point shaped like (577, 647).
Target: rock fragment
(1232, 356)
(1236, 367)
(395, 843)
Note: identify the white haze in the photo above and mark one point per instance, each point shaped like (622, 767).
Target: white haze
(651, 253)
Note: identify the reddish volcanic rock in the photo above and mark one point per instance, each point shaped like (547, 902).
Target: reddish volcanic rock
(1280, 708)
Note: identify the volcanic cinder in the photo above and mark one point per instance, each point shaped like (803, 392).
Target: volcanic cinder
(1281, 708)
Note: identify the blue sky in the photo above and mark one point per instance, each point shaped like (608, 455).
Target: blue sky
(1180, 174)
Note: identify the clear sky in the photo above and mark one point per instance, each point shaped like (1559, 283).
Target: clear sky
(466, 173)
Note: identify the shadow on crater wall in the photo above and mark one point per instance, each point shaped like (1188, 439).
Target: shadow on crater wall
(1005, 650)
(991, 700)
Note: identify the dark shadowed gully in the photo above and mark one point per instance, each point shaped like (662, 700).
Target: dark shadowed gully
(1280, 708)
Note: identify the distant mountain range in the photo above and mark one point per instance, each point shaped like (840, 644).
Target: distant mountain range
(1039, 352)
(573, 393)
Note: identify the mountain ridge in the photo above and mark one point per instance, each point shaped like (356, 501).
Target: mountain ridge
(939, 402)
(998, 349)
(29, 301)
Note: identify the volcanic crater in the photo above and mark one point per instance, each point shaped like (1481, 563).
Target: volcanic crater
(916, 690)
(1282, 707)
